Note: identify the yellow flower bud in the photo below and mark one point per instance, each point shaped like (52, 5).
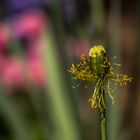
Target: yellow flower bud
(97, 51)
(97, 59)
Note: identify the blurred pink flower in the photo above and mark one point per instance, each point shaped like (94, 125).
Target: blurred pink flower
(82, 47)
(35, 66)
(35, 71)
(17, 71)
(30, 24)
(12, 72)
(77, 47)
(34, 51)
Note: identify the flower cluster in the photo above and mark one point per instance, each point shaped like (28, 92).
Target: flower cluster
(17, 70)
(98, 69)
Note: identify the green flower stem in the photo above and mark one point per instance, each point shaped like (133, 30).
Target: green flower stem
(103, 120)
(99, 70)
(103, 126)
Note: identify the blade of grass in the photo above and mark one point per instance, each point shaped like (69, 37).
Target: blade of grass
(61, 109)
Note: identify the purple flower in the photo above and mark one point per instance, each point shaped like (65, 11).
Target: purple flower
(20, 5)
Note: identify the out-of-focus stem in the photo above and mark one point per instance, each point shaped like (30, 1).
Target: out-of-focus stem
(115, 33)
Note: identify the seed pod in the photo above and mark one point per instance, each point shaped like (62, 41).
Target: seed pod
(97, 58)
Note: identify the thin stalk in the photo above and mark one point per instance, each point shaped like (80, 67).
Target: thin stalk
(103, 125)
(103, 115)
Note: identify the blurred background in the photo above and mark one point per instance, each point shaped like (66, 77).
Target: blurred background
(39, 40)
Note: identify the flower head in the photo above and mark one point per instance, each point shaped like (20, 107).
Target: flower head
(96, 51)
(98, 69)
